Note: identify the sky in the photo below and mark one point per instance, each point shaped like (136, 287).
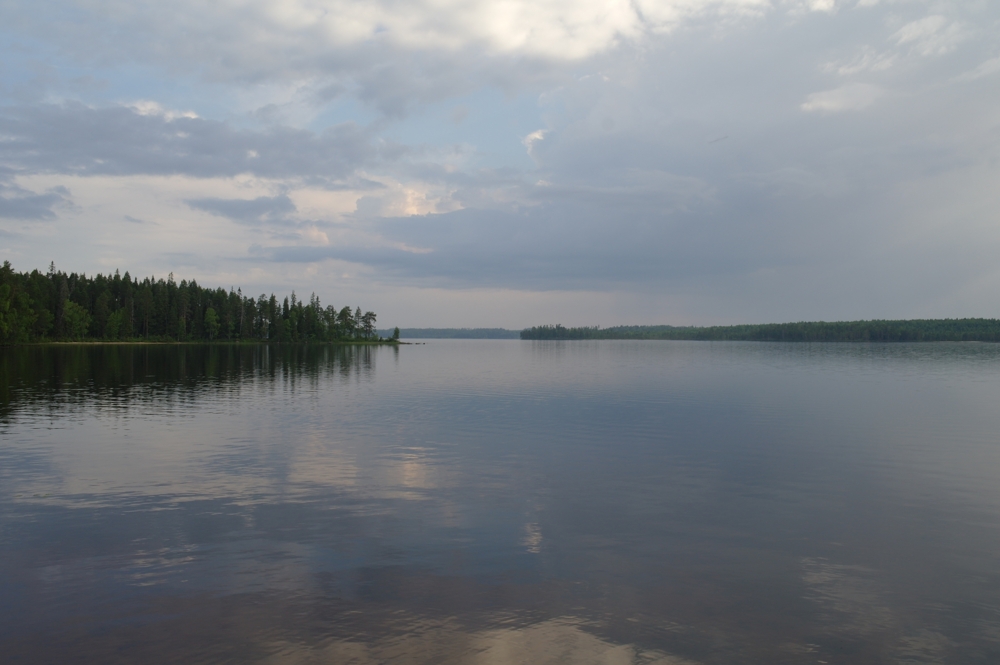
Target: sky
(511, 162)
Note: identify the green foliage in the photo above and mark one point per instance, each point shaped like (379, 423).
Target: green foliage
(367, 324)
(346, 321)
(38, 306)
(915, 330)
(211, 323)
(44, 320)
(102, 310)
(117, 326)
(16, 315)
(395, 333)
(76, 320)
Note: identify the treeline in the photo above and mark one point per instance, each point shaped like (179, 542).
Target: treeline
(456, 333)
(913, 330)
(56, 306)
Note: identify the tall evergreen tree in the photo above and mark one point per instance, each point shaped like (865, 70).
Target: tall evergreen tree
(55, 305)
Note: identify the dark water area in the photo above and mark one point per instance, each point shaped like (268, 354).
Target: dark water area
(500, 501)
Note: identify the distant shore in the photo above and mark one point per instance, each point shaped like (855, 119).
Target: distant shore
(876, 330)
(454, 333)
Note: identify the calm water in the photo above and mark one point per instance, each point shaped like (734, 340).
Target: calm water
(497, 502)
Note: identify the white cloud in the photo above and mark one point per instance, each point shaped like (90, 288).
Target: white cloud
(823, 5)
(531, 139)
(253, 30)
(931, 35)
(986, 68)
(866, 59)
(149, 107)
(851, 97)
(659, 16)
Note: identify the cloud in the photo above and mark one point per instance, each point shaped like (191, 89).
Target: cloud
(76, 139)
(149, 107)
(459, 114)
(931, 35)
(644, 234)
(18, 203)
(851, 97)
(294, 34)
(867, 60)
(987, 68)
(393, 56)
(541, 147)
(247, 211)
(531, 139)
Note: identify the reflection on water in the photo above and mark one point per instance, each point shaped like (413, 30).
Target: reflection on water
(501, 502)
(119, 375)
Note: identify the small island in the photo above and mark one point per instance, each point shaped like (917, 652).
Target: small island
(54, 306)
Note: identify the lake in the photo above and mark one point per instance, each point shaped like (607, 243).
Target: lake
(501, 501)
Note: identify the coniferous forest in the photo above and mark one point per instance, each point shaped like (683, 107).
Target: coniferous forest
(912, 330)
(56, 306)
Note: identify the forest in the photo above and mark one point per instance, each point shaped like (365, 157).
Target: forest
(912, 330)
(56, 306)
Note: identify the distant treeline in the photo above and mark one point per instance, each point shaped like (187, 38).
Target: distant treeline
(914, 330)
(55, 306)
(455, 333)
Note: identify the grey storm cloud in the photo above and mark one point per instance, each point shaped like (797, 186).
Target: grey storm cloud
(263, 209)
(36, 206)
(76, 139)
(567, 242)
(18, 203)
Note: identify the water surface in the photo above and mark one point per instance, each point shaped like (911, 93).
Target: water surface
(499, 501)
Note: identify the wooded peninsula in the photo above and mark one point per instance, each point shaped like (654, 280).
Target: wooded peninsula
(55, 306)
(911, 330)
